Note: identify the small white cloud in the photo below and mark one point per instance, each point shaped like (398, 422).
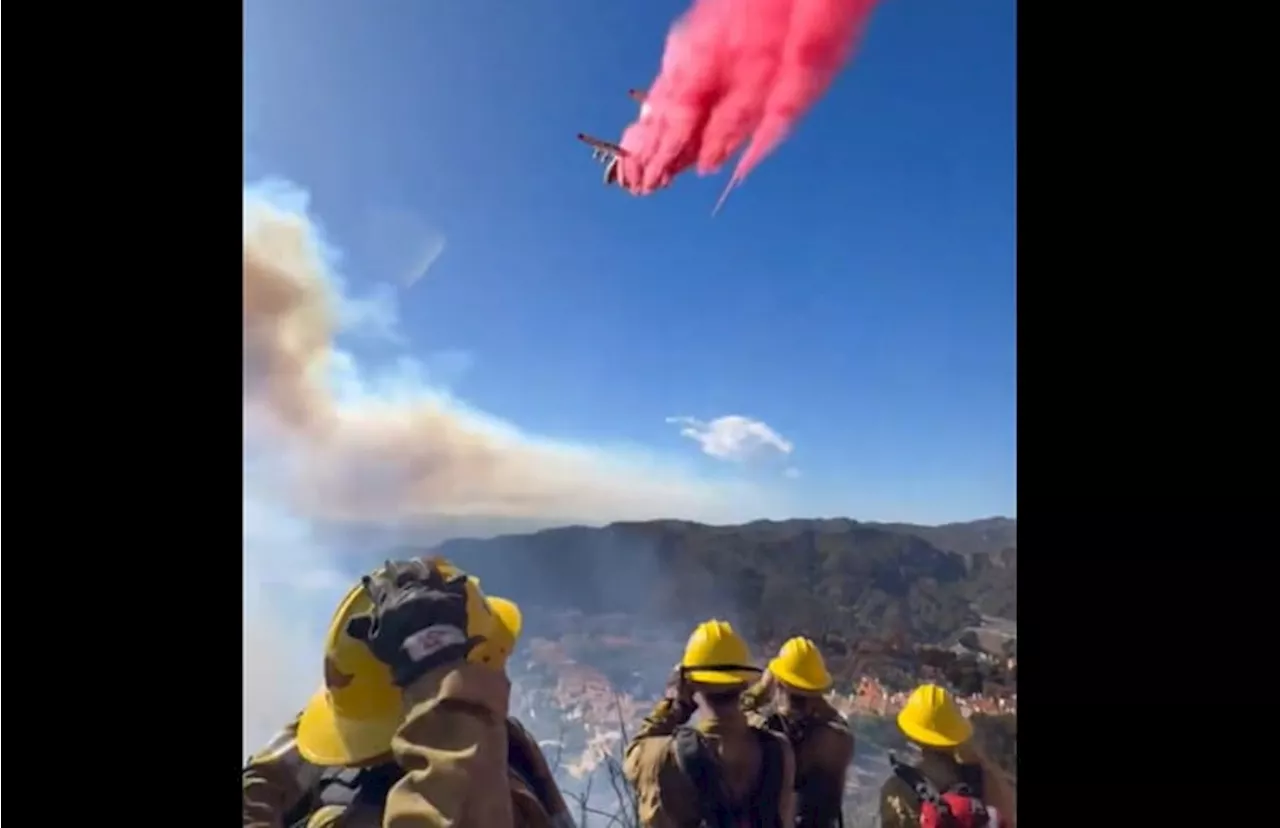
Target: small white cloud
(732, 437)
(791, 473)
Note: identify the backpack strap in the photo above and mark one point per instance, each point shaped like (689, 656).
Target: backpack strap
(521, 764)
(693, 758)
(819, 797)
(337, 786)
(915, 779)
(373, 784)
(972, 778)
(297, 816)
(769, 788)
(819, 801)
(696, 761)
(347, 787)
(795, 729)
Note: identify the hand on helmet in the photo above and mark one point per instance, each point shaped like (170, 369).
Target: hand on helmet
(419, 618)
(679, 688)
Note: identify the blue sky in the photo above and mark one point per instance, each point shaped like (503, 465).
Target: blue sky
(857, 294)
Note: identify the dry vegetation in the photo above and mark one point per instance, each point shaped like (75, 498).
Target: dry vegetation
(996, 738)
(608, 607)
(624, 811)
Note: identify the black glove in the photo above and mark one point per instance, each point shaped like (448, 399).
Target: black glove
(419, 619)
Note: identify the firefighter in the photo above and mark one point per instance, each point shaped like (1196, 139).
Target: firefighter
(723, 772)
(415, 691)
(788, 699)
(332, 764)
(951, 774)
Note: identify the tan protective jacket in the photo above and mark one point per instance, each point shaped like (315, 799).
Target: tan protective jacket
(453, 749)
(667, 798)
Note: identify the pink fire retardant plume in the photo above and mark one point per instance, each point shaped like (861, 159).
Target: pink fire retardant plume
(736, 71)
(755, 52)
(820, 40)
(664, 141)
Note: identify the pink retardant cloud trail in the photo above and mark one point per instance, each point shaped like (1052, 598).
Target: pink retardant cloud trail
(736, 73)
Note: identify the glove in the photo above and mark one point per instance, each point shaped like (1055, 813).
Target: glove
(419, 619)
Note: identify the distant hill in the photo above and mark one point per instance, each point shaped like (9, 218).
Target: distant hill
(991, 547)
(833, 578)
(988, 536)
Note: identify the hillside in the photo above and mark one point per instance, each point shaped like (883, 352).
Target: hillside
(988, 536)
(607, 610)
(839, 580)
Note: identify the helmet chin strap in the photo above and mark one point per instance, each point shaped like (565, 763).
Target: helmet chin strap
(721, 668)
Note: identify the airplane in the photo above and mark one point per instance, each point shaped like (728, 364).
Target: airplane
(607, 152)
(610, 153)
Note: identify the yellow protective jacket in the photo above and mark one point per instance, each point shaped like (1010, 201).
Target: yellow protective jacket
(453, 749)
(667, 798)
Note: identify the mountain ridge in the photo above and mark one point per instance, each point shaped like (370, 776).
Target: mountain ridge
(868, 579)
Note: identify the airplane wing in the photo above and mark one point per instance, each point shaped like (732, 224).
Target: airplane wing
(602, 145)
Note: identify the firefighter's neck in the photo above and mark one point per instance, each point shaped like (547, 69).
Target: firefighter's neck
(722, 708)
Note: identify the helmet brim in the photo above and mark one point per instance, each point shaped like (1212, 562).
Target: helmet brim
(508, 615)
(719, 678)
(932, 738)
(327, 739)
(795, 681)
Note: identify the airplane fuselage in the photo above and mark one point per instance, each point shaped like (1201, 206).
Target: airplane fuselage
(607, 152)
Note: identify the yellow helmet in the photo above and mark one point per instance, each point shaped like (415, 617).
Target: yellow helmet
(506, 632)
(495, 620)
(799, 666)
(481, 621)
(353, 716)
(931, 717)
(716, 654)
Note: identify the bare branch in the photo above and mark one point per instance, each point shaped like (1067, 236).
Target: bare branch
(583, 808)
(555, 762)
(622, 720)
(626, 797)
